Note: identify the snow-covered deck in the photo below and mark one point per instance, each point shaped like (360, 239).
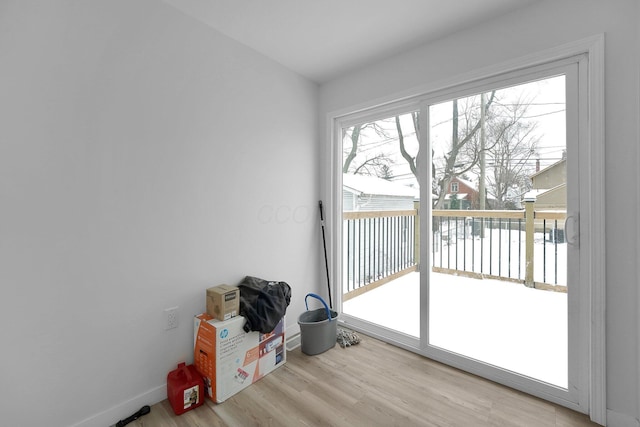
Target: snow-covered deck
(501, 323)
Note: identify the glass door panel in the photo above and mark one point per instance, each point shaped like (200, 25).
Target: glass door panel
(498, 289)
(380, 228)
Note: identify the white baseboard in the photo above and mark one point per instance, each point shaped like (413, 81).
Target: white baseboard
(293, 342)
(618, 419)
(125, 409)
(111, 416)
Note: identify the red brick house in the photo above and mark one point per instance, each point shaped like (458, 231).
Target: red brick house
(461, 194)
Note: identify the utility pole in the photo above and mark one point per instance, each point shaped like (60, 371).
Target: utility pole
(481, 187)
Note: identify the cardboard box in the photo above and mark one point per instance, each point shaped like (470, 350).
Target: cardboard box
(231, 359)
(223, 302)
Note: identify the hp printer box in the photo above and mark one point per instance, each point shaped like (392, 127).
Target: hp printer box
(231, 359)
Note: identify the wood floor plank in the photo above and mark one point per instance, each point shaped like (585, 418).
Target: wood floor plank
(371, 384)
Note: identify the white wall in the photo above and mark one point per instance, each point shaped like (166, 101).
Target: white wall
(143, 158)
(542, 26)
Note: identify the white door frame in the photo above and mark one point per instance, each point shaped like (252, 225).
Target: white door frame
(592, 216)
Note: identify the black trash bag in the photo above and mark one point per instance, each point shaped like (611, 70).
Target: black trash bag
(263, 303)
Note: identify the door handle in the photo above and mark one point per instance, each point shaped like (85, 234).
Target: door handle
(573, 237)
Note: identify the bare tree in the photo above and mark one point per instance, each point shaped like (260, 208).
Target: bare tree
(411, 160)
(459, 153)
(353, 151)
(377, 165)
(365, 158)
(508, 144)
(514, 143)
(464, 152)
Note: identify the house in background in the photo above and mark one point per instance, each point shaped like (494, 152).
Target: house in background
(549, 190)
(461, 194)
(549, 187)
(370, 193)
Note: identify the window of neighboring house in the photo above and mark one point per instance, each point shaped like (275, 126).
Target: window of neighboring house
(454, 187)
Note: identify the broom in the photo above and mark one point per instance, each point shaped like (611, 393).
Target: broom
(344, 337)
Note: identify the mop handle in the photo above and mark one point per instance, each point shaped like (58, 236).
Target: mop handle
(324, 244)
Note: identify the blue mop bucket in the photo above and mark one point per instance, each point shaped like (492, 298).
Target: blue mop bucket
(318, 328)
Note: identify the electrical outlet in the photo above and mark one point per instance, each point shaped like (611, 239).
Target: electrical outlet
(170, 318)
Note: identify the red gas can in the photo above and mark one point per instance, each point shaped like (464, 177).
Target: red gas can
(185, 388)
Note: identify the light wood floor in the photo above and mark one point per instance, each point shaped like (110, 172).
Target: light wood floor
(370, 384)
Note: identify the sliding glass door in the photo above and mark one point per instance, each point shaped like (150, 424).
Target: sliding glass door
(459, 227)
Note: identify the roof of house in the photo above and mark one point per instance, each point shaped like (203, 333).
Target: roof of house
(535, 193)
(364, 184)
(459, 196)
(466, 182)
(554, 165)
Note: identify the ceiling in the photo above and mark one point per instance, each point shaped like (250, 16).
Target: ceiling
(322, 39)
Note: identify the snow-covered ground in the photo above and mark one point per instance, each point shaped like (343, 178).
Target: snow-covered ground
(505, 324)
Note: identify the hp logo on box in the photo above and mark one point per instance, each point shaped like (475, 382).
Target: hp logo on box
(224, 333)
